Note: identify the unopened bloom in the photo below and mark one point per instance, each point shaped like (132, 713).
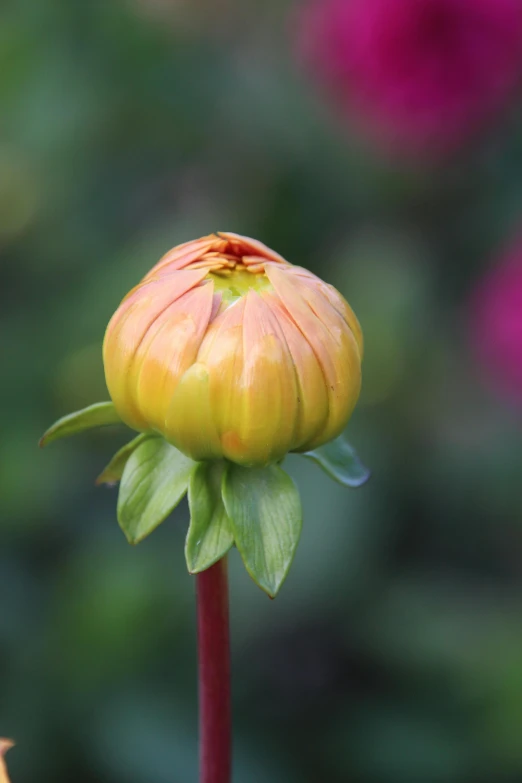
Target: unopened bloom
(227, 350)
(421, 76)
(496, 324)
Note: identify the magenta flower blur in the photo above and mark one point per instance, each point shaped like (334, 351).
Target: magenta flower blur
(496, 324)
(421, 76)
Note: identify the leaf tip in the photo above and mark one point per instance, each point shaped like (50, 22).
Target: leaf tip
(130, 538)
(46, 437)
(367, 477)
(194, 568)
(271, 591)
(106, 479)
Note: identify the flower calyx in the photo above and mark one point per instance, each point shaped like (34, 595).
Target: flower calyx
(257, 510)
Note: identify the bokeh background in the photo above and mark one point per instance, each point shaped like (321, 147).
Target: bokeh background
(394, 651)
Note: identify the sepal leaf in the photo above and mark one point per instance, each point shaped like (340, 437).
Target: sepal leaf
(98, 415)
(113, 472)
(264, 510)
(209, 535)
(341, 462)
(154, 481)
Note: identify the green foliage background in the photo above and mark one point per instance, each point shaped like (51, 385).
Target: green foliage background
(394, 651)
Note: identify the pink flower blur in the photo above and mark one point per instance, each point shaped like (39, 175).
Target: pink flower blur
(496, 325)
(420, 76)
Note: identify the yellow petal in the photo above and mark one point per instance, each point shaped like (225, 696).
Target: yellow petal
(252, 383)
(127, 329)
(189, 423)
(332, 342)
(267, 414)
(311, 389)
(166, 352)
(222, 354)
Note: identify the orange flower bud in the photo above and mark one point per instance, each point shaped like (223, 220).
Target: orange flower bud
(227, 350)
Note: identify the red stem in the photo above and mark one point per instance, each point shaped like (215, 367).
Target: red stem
(214, 675)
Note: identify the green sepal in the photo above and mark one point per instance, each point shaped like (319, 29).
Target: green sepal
(264, 510)
(154, 481)
(209, 535)
(113, 472)
(98, 415)
(341, 462)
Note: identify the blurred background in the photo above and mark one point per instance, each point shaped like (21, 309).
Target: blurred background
(394, 651)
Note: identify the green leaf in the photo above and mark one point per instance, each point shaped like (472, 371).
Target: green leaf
(154, 480)
(209, 536)
(341, 462)
(98, 415)
(114, 470)
(264, 509)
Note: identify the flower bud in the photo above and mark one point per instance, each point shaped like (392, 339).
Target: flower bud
(227, 350)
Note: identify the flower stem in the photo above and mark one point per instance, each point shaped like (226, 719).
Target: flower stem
(214, 675)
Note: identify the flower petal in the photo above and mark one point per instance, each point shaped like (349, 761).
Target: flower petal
(269, 397)
(189, 421)
(167, 351)
(333, 343)
(126, 330)
(221, 353)
(311, 389)
(252, 247)
(182, 255)
(252, 383)
(336, 300)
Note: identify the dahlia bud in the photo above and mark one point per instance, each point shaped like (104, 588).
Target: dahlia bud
(225, 358)
(227, 350)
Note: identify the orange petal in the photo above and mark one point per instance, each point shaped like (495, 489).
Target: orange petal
(127, 329)
(252, 247)
(311, 388)
(226, 320)
(336, 300)
(268, 399)
(332, 342)
(182, 255)
(168, 349)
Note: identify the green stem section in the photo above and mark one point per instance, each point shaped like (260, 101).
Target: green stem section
(215, 722)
